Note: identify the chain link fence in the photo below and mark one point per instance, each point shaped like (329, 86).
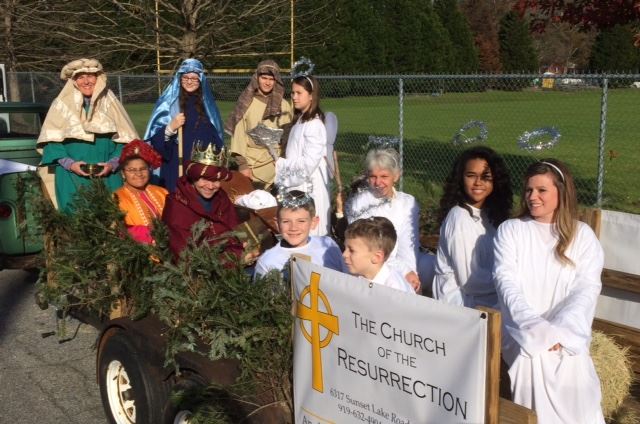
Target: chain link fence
(593, 117)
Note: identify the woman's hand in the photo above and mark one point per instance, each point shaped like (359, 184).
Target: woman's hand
(177, 122)
(555, 347)
(76, 168)
(414, 281)
(106, 170)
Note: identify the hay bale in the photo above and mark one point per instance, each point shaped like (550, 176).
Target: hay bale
(627, 414)
(613, 366)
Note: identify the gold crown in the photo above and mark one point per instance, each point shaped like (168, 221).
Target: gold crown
(208, 156)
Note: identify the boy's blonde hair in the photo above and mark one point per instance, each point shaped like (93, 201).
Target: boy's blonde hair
(309, 205)
(377, 232)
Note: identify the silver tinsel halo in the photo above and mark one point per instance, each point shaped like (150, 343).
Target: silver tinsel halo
(297, 69)
(548, 138)
(382, 142)
(284, 197)
(460, 138)
(267, 137)
(290, 201)
(354, 214)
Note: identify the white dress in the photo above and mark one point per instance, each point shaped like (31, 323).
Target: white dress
(322, 250)
(306, 152)
(544, 302)
(465, 259)
(403, 212)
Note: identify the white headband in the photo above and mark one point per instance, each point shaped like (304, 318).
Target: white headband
(556, 168)
(310, 82)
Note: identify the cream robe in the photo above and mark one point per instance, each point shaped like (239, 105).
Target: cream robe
(465, 259)
(258, 157)
(307, 151)
(545, 302)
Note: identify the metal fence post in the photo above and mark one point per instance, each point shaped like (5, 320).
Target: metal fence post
(33, 89)
(602, 139)
(401, 128)
(120, 88)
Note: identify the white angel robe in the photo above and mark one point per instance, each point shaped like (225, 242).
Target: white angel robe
(544, 302)
(465, 259)
(403, 212)
(322, 250)
(307, 151)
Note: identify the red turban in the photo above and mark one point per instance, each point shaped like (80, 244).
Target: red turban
(143, 150)
(196, 170)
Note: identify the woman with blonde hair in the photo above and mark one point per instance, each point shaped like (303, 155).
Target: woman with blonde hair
(547, 275)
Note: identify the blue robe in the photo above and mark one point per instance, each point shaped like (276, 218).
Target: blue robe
(195, 128)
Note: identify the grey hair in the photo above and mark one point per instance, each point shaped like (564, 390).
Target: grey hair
(388, 159)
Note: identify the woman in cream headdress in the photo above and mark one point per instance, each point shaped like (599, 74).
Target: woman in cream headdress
(261, 102)
(187, 105)
(86, 124)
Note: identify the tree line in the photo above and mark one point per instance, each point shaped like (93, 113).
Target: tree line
(340, 36)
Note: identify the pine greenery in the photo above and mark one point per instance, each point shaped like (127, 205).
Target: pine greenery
(394, 36)
(613, 51)
(516, 45)
(209, 303)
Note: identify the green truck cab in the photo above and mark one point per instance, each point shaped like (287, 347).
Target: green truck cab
(20, 237)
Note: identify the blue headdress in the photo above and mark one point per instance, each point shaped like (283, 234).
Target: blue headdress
(168, 104)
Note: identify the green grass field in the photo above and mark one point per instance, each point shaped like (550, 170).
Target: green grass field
(430, 122)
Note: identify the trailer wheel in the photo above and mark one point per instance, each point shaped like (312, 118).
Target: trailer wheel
(127, 387)
(181, 413)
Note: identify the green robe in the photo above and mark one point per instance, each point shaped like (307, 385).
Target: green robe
(67, 183)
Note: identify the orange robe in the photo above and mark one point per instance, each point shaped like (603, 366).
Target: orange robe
(141, 208)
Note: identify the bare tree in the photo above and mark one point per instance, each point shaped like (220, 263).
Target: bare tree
(564, 44)
(126, 34)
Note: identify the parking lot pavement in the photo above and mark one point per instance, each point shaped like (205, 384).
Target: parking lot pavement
(42, 380)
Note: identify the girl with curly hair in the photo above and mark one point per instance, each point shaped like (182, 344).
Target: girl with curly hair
(477, 199)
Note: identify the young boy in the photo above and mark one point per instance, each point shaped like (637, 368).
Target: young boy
(296, 218)
(367, 246)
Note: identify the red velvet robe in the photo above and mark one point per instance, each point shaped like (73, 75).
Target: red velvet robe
(183, 209)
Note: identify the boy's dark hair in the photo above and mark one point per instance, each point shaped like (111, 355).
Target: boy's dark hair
(377, 232)
(309, 205)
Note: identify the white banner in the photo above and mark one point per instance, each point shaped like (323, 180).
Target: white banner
(368, 353)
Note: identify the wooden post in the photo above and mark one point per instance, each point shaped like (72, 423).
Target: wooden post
(497, 409)
(492, 384)
(180, 152)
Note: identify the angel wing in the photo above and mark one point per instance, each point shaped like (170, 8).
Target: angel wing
(331, 125)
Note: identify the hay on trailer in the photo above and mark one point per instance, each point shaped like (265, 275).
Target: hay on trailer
(613, 365)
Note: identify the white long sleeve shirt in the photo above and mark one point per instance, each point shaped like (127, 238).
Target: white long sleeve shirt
(465, 259)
